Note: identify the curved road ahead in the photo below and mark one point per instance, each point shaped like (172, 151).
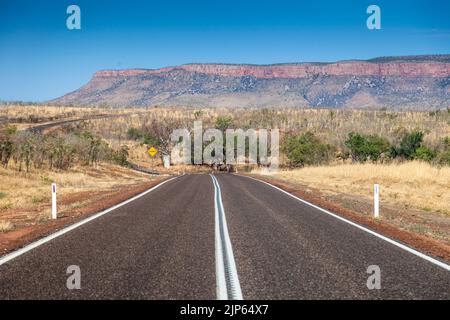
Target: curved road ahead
(192, 239)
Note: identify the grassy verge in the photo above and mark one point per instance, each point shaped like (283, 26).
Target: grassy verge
(414, 196)
(25, 198)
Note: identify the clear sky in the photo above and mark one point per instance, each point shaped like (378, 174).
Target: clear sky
(41, 59)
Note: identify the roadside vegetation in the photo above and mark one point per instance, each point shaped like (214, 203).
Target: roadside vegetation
(412, 184)
(28, 191)
(59, 150)
(308, 136)
(307, 149)
(414, 195)
(335, 150)
(333, 155)
(86, 167)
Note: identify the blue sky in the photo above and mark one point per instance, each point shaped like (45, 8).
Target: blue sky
(41, 59)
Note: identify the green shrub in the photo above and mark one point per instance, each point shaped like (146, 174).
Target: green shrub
(446, 143)
(424, 153)
(306, 149)
(408, 145)
(144, 137)
(150, 140)
(444, 158)
(364, 147)
(134, 134)
(120, 156)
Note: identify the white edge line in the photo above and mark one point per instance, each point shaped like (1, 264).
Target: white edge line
(33, 245)
(402, 246)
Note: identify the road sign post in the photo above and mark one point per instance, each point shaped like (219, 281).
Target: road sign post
(376, 200)
(54, 213)
(152, 152)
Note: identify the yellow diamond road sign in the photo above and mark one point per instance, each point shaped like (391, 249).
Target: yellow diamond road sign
(152, 151)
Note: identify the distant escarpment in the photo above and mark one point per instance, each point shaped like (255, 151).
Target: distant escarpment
(416, 82)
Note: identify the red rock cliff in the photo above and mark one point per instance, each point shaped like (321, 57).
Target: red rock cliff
(356, 68)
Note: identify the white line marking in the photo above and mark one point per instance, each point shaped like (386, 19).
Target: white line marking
(221, 283)
(225, 263)
(395, 243)
(33, 245)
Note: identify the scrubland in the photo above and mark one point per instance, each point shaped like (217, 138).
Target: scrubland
(332, 125)
(410, 189)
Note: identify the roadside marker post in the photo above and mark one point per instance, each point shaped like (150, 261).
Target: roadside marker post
(54, 213)
(152, 152)
(376, 200)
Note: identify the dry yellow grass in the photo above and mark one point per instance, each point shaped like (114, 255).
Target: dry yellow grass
(411, 185)
(26, 190)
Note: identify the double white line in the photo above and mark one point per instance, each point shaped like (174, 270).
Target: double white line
(227, 282)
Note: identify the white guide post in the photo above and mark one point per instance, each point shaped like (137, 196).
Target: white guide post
(376, 200)
(54, 213)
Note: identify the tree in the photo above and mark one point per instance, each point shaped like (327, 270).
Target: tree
(306, 149)
(120, 156)
(23, 147)
(408, 145)
(6, 144)
(364, 147)
(223, 123)
(89, 147)
(376, 146)
(356, 143)
(443, 157)
(158, 132)
(40, 152)
(145, 137)
(58, 150)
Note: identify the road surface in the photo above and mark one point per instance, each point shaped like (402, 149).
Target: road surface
(194, 238)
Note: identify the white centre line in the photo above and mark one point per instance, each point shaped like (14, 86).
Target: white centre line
(227, 281)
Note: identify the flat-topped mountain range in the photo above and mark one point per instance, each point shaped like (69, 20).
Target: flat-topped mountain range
(411, 82)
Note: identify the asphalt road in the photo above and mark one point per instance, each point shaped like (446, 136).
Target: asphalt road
(164, 245)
